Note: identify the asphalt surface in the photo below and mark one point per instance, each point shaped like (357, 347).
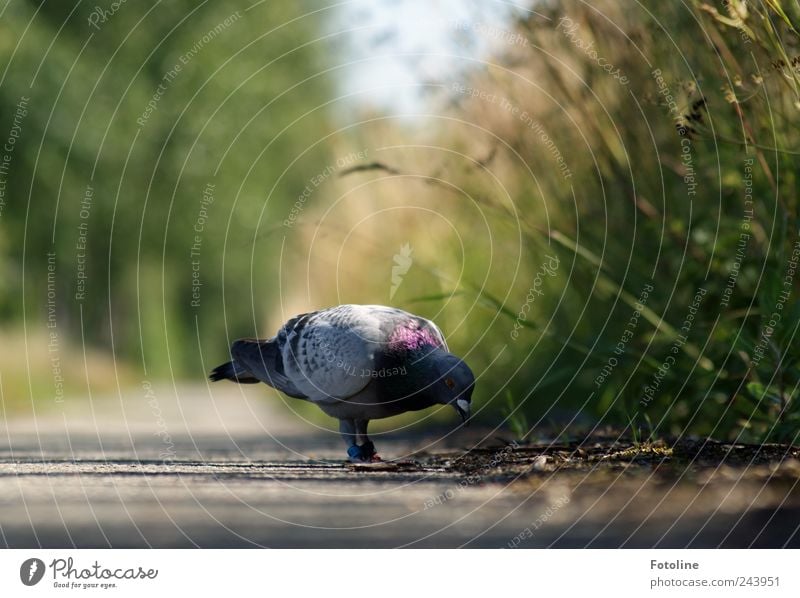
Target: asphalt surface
(187, 468)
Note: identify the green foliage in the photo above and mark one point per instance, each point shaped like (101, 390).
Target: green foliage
(515, 417)
(190, 122)
(694, 194)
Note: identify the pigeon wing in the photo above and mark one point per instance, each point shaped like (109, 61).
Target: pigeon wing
(331, 353)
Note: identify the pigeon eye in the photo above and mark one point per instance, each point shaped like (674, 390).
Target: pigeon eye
(450, 383)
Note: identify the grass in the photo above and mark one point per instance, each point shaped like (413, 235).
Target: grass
(28, 380)
(657, 197)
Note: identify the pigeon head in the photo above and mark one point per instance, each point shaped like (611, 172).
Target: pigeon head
(454, 385)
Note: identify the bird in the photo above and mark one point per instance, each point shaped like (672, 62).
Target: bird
(356, 363)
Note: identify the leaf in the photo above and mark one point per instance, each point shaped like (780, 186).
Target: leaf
(756, 389)
(648, 314)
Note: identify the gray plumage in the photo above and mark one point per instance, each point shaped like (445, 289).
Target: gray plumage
(357, 363)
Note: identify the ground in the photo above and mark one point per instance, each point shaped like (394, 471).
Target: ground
(182, 467)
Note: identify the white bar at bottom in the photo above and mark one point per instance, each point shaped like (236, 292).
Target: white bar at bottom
(400, 573)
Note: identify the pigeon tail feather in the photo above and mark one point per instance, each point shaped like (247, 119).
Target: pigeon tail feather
(233, 371)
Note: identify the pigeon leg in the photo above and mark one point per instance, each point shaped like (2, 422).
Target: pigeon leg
(347, 428)
(366, 446)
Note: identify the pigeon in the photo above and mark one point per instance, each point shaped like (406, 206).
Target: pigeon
(356, 363)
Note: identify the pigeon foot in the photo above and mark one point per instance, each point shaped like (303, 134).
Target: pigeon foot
(363, 453)
(368, 451)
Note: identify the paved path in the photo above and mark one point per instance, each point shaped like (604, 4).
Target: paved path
(191, 469)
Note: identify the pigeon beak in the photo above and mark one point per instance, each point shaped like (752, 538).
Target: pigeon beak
(462, 406)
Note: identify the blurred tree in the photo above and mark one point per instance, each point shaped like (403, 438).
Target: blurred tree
(162, 141)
